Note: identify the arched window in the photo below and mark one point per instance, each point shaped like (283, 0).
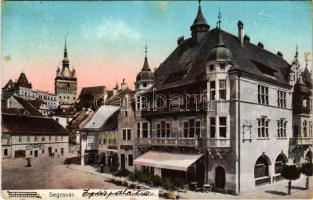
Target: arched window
(280, 161)
(130, 160)
(261, 167)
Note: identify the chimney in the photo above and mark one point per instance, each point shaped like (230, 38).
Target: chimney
(246, 38)
(123, 85)
(280, 54)
(115, 89)
(240, 32)
(260, 44)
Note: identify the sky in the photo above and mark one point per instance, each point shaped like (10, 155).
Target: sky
(106, 39)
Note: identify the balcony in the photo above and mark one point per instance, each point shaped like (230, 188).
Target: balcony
(175, 142)
(218, 142)
(302, 140)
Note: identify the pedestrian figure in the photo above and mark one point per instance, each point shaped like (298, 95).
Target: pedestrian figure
(28, 162)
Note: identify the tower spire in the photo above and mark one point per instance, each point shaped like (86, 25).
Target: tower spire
(146, 50)
(146, 64)
(65, 48)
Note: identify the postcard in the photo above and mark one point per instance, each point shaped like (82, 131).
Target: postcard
(156, 100)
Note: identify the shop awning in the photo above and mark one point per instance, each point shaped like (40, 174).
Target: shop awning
(165, 160)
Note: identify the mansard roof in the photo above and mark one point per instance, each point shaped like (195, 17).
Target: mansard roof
(189, 59)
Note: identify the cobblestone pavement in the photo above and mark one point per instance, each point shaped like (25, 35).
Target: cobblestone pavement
(51, 173)
(48, 173)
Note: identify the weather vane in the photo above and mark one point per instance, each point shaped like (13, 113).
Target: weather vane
(219, 17)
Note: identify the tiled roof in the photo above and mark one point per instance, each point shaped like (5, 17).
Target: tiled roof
(30, 125)
(23, 82)
(91, 92)
(29, 107)
(193, 56)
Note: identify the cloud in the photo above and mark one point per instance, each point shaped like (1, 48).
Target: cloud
(161, 5)
(111, 30)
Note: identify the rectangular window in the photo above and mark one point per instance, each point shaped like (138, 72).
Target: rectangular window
(263, 127)
(281, 128)
(191, 128)
(163, 129)
(35, 139)
(138, 103)
(43, 139)
(222, 127)
(222, 67)
(212, 127)
(212, 68)
(28, 139)
(185, 126)
(158, 125)
(144, 129)
(124, 134)
(262, 95)
(212, 90)
(20, 139)
(281, 99)
(198, 129)
(168, 130)
(128, 134)
(222, 89)
(138, 130)
(311, 129)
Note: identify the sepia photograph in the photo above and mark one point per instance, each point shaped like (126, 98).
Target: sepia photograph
(156, 100)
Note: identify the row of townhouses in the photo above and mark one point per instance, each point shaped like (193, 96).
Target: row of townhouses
(219, 110)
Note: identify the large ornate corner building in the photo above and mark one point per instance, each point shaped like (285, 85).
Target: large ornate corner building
(223, 111)
(65, 83)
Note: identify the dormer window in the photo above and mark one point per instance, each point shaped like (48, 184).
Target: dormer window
(144, 85)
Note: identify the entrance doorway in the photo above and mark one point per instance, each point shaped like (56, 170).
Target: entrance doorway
(20, 154)
(220, 177)
(122, 161)
(36, 153)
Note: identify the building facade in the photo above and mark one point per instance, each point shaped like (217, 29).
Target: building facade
(226, 105)
(23, 88)
(32, 136)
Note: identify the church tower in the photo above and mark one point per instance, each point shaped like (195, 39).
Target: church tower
(65, 83)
